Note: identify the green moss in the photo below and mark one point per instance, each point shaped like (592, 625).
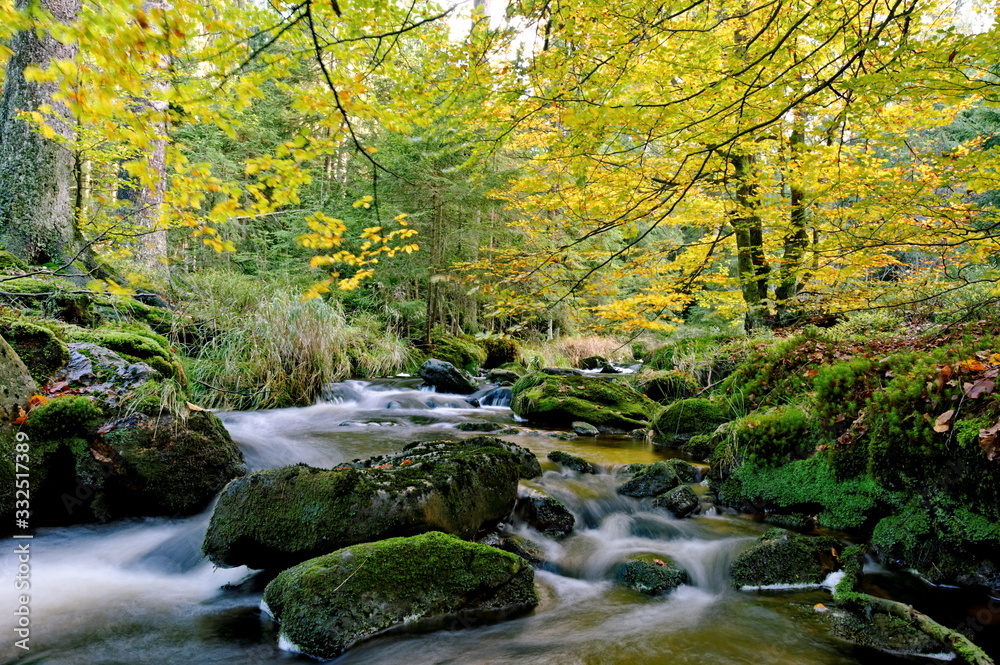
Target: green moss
(782, 557)
(559, 400)
(500, 351)
(37, 285)
(699, 446)
(37, 346)
(282, 516)
(328, 604)
(808, 486)
(776, 436)
(578, 464)
(688, 417)
(134, 343)
(650, 480)
(647, 576)
(10, 263)
(668, 386)
(685, 471)
(462, 353)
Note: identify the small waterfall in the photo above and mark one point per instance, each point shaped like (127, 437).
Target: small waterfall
(495, 397)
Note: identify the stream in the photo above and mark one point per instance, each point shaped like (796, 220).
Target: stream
(139, 591)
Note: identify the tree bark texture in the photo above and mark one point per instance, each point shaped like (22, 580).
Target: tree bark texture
(37, 221)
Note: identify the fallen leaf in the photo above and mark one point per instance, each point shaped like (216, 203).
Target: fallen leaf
(658, 562)
(989, 439)
(104, 429)
(820, 607)
(980, 388)
(195, 407)
(22, 418)
(943, 422)
(37, 400)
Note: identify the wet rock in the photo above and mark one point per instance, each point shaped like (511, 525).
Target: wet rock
(103, 374)
(446, 378)
(279, 517)
(652, 575)
(165, 466)
(328, 604)
(781, 557)
(480, 426)
(593, 362)
(883, 632)
(558, 401)
(793, 521)
(578, 464)
(610, 369)
(529, 466)
(133, 466)
(684, 470)
(584, 429)
(639, 433)
(502, 376)
(560, 371)
(563, 436)
(681, 501)
(544, 513)
(651, 480)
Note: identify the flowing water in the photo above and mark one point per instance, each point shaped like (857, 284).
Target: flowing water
(139, 592)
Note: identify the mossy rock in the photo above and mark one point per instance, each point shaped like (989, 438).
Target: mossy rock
(54, 297)
(784, 558)
(684, 470)
(668, 386)
(699, 446)
(500, 352)
(133, 466)
(545, 513)
(578, 464)
(681, 501)
(557, 401)
(464, 354)
(883, 632)
(279, 517)
(16, 385)
(113, 381)
(529, 467)
(38, 347)
(650, 480)
(650, 574)
(688, 417)
(133, 344)
(11, 264)
(328, 604)
(166, 466)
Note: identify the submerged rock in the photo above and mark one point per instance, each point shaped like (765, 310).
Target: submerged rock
(280, 517)
(681, 501)
(544, 513)
(481, 426)
(558, 401)
(780, 558)
(650, 575)
(650, 480)
(883, 632)
(578, 464)
(560, 371)
(446, 378)
(328, 604)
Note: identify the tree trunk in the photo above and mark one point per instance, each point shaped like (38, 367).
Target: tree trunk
(37, 221)
(797, 238)
(751, 262)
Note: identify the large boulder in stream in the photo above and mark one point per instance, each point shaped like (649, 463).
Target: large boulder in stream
(87, 469)
(681, 501)
(279, 517)
(545, 513)
(328, 604)
(558, 401)
(446, 378)
(782, 558)
(650, 574)
(650, 480)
